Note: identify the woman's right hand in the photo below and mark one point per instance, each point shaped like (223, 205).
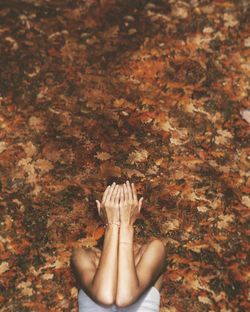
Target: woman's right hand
(108, 209)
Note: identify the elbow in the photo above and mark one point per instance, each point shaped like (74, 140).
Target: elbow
(126, 297)
(104, 300)
(122, 303)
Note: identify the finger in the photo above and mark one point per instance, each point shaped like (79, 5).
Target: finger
(98, 206)
(110, 192)
(125, 191)
(105, 194)
(104, 215)
(134, 192)
(130, 198)
(122, 195)
(118, 195)
(113, 195)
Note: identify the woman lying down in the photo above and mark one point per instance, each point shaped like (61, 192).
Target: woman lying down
(123, 275)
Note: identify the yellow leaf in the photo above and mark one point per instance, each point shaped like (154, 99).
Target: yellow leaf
(3, 146)
(103, 156)
(138, 156)
(43, 165)
(4, 266)
(225, 220)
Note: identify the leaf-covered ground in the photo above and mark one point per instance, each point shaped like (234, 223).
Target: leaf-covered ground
(153, 91)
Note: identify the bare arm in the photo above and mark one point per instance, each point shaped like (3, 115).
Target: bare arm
(134, 280)
(101, 284)
(105, 279)
(128, 281)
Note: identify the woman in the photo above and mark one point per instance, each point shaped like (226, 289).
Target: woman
(124, 276)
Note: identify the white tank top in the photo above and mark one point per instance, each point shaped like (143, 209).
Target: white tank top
(148, 302)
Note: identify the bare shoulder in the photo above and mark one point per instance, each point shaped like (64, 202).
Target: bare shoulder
(154, 250)
(88, 253)
(81, 250)
(158, 244)
(154, 245)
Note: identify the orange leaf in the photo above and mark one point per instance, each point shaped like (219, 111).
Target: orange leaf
(98, 233)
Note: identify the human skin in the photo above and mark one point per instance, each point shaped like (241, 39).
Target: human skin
(120, 204)
(109, 208)
(128, 280)
(117, 279)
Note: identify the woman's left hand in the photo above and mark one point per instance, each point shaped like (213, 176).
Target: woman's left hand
(129, 205)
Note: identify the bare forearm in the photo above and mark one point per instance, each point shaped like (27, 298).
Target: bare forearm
(127, 277)
(105, 279)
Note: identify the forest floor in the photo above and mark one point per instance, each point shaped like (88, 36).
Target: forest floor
(155, 92)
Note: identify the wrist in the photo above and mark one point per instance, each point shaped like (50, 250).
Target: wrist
(127, 227)
(112, 225)
(113, 222)
(126, 231)
(126, 234)
(126, 224)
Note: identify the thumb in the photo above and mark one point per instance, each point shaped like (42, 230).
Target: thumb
(98, 206)
(140, 203)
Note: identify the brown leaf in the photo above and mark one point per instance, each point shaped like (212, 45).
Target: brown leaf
(196, 246)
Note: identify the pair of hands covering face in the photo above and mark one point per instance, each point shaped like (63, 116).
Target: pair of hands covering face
(120, 204)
